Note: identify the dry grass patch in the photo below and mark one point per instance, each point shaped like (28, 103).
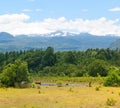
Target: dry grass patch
(58, 97)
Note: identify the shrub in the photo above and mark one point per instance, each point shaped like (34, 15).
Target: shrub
(111, 102)
(38, 87)
(97, 88)
(33, 85)
(59, 83)
(112, 80)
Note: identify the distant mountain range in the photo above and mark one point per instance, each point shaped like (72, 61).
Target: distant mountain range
(60, 41)
(115, 44)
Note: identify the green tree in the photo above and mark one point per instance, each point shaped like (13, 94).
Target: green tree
(21, 70)
(71, 70)
(15, 73)
(70, 57)
(49, 58)
(8, 75)
(98, 67)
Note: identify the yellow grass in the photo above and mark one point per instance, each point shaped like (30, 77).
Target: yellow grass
(59, 97)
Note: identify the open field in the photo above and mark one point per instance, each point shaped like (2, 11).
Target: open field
(59, 97)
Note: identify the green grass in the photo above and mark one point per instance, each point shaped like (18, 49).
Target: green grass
(58, 97)
(98, 80)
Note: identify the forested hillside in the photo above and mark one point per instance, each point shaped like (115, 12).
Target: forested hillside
(92, 62)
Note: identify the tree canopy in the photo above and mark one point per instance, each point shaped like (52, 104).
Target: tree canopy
(92, 62)
(15, 73)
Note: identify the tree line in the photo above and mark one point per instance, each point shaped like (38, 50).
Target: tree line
(92, 62)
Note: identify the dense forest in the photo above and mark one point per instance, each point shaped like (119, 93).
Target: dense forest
(92, 62)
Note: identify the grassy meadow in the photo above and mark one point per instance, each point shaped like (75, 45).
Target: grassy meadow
(60, 97)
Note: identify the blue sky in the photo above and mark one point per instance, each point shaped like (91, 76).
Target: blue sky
(45, 15)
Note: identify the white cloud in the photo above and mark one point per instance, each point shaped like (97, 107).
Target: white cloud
(29, 10)
(114, 9)
(26, 10)
(7, 18)
(19, 24)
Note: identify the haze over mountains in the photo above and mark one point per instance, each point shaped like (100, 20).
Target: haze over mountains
(60, 41)
(115, 44)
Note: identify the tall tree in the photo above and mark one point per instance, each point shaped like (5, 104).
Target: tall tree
(70, 57)
(49, 57)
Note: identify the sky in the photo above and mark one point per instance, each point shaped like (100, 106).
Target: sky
(97, 17)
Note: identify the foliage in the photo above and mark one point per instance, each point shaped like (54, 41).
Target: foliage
(49, 57)
(15, 73)
(98, 67)
(92, 62)
(70, 57)
(113, 79)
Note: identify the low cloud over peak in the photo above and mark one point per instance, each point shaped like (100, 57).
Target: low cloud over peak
(19, 24)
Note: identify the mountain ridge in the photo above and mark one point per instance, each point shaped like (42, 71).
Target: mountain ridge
(60, 41)
(115, 44)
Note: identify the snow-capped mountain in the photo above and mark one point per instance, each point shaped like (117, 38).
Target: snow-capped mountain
(56, 33)
(60, 41)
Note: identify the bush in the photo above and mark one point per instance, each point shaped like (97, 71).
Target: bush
(59, 83)
(111, 102)
(97, 88)
(112, 80)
